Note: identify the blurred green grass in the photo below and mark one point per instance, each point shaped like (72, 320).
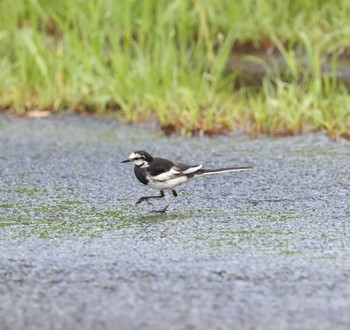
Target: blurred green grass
(167, 61)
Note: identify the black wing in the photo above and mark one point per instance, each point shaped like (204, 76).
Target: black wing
(159, 166)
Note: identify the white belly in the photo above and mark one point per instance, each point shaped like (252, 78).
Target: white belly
(172, 183)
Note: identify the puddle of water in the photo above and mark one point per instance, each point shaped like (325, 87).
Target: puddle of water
(251, 69)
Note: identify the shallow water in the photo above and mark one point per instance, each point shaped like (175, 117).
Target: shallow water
(251, 67)
(269, 248)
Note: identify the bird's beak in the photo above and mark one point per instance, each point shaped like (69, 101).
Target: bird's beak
(126, 161)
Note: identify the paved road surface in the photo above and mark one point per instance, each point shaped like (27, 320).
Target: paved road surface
(265, 249)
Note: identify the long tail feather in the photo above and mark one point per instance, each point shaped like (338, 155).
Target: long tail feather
(202, 172)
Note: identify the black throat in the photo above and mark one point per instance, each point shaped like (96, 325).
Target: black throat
(140, 173)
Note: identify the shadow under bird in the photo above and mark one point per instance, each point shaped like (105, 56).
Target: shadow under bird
(161, 174)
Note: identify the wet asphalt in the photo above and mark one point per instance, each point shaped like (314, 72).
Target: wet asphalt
(264, 249)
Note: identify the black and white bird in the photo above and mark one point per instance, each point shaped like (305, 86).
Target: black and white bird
(161, 174)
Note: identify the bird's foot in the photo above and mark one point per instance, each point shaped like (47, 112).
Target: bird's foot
(143, 199)
(159, 211)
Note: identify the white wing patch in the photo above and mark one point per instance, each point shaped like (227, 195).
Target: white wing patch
(192, 169)
(173, 173)
(172, 178)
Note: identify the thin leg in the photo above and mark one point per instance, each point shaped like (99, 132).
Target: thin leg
(172, 200)
(146, 198)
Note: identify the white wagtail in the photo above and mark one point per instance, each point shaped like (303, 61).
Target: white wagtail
(161, 174)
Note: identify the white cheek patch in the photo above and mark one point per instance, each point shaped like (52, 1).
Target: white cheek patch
(139, 162)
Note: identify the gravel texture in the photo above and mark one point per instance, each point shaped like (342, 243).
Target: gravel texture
(264, 249)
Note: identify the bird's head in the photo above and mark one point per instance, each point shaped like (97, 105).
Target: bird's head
(139, 158)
